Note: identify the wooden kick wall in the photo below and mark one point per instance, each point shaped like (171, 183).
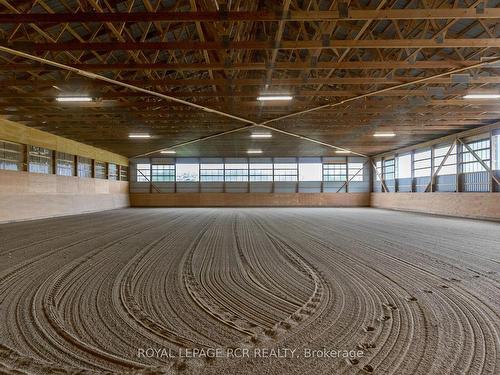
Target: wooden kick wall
(26, 196)
(249, 199)
(470, 205)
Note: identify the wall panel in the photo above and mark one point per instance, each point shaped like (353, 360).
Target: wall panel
(473, 205)
(249, 199)
(26, 196)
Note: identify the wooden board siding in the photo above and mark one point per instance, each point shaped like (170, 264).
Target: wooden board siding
(26, 196)
(249, 199)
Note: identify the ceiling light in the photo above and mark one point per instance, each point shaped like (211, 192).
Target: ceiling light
(384, 134)
(274, 97)
(139, 136)
(254, 152)
(482, 96)
(342, 152)
(261, 135)
(167, 152)
(74, 99)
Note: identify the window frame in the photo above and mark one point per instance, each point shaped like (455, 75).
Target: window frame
(285, 174)
(35, 155)
(472, 162)
(65, 164)
(262, 172)
(6, 161)
(211, 174)
(83, 168)
(427, 159)
(143, 172)
(338, 171)
(157, 168)
(236, 174)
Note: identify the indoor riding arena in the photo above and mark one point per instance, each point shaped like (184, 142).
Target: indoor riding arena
(237, 187)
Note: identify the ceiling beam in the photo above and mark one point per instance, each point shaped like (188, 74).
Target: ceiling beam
(121, 84)
(239, 94)
(248, 123)
(327, 65)
(245, 82)
(261, 16)
(255, 45)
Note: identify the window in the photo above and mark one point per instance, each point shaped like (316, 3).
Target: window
(112, 172)
(123, 173)
(310, 171)
(163, 172)
(355, 171)
(285, 172)
(39, 160)
(261, 171)
(143, 172)
(10, 156)
(212, 172)
(65, 164)
(389, 169)
(496, 149)
(422, 163)
(84, 167)
(100, 169)
(378, 169)
(450, 165)
(335, 172)
(186, 172)
(404, 166)
(469, 163)
(236, 172)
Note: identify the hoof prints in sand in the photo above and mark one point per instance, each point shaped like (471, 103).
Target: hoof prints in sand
(82, 294)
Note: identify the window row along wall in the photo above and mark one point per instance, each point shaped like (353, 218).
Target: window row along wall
(44, 175)
(34, 159)
(458, 175)
(250, 175)
(469, 164)
(455, 175)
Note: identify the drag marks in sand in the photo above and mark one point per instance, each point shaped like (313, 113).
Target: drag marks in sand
(416, 294)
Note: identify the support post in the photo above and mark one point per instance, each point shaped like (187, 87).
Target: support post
(384, 187)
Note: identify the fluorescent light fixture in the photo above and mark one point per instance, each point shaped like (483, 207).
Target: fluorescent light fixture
(261, 135)
(274, 97)
(167, 152)
(482, 96)
(254, 152)
(342, 152)
(139, 135)
(74, 99)
(384, 134)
